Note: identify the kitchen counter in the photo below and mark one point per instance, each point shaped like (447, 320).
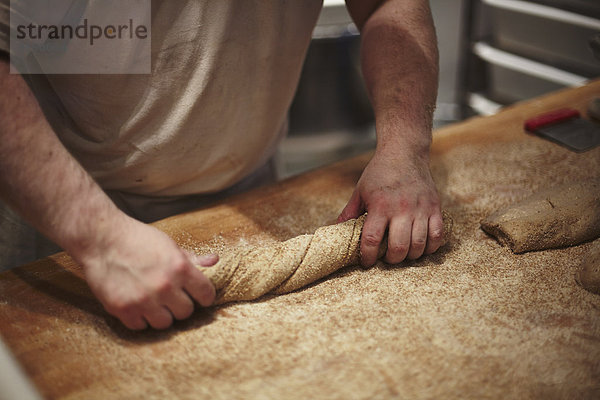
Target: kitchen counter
(471, 321)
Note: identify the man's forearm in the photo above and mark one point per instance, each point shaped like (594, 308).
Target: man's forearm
(399, 60)
(38, 176)
(400, 67)
(138, 273)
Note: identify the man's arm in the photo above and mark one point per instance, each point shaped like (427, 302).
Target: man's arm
(400, 67)
(138, 273)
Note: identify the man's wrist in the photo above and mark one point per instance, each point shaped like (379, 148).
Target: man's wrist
(405, 145)
(93, 230)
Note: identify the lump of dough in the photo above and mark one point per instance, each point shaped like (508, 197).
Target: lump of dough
(331, 248)
(589, 274)
(247, 275)
(558, 217)
(284, 267)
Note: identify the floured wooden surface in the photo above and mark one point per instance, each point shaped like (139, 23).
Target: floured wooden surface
(471, 321)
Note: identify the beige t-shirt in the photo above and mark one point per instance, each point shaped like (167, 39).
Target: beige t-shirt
(210, 113)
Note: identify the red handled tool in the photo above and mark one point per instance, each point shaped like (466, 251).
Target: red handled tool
(566, 127)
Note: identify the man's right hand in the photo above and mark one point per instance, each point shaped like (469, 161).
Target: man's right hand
(138, 273)
(142, 277)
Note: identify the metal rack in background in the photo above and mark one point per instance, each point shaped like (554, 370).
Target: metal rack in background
(516, 49)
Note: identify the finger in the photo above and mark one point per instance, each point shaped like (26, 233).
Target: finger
(398, 240)
(373, 231)
(133, 320)
(418, 238)
(179, 304)
(127, 308)
(200, 288)
(353, 209)
(208, 260)
(435, 233)
(205, 260)
(158, 316)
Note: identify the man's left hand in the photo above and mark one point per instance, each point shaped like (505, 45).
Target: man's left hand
(400, 197)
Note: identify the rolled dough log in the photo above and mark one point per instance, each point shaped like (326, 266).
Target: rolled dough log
(287, 266)
(588, 275)
(561, 216)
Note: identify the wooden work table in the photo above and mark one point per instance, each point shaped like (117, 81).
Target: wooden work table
(71, 348)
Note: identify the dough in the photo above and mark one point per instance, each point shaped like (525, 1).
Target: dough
(589, 274)
(290, 265)
(562, 216)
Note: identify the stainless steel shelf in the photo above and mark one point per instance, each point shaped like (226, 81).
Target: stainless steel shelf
(518, 49)
(549, 35)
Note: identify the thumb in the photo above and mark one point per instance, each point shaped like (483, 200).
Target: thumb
(353, 209)
(205, 260)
